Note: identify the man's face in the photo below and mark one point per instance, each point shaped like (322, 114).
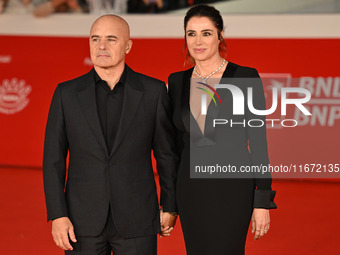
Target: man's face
(109, 42)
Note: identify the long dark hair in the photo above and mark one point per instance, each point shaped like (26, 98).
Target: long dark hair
(204, 10)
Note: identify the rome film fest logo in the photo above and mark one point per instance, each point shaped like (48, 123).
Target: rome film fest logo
(13, 95)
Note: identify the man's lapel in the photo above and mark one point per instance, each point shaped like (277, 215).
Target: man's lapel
(87, 99)
(133, 94)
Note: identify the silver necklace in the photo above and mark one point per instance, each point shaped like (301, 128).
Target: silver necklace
(206, 78)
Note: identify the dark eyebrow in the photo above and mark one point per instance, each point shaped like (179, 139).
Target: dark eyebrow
(109, 36)
(204, 30)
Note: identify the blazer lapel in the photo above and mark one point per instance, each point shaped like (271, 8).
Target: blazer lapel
(188, 119)
(87, 99)
(213, 111)
(185, 107)
(133, 93)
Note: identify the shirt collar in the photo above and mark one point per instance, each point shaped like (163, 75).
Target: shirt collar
(121, 80)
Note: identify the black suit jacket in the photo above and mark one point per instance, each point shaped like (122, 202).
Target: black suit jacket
(224, 144)
(97, 178)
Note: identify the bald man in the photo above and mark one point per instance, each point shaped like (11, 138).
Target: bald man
(108, 121)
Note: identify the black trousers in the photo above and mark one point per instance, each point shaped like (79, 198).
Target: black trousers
(110, 241)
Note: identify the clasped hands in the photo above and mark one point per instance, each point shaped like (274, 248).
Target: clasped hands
(168, 222)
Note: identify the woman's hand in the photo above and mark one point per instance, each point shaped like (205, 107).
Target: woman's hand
(260, 222)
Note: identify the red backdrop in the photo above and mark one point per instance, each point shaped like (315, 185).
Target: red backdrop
(31, 67)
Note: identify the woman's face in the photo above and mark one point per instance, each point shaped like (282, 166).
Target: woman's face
(202, 38)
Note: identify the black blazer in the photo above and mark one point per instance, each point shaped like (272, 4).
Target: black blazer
(233, 142)
(97, 178)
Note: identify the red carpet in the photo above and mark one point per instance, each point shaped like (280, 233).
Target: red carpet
(306, 221)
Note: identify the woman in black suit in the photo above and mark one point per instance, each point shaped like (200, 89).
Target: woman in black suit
(215, 212)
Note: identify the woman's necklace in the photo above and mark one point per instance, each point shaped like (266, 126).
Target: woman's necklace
(206, 78)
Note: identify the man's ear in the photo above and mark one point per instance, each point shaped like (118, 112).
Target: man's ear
(128, 46)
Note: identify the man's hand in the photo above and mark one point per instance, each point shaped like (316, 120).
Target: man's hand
(260, 222)
(62, 229)
(168, 222)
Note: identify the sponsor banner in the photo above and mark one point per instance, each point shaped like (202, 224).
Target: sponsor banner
(31, 68)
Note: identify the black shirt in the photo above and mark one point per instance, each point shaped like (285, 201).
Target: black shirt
(109, 106)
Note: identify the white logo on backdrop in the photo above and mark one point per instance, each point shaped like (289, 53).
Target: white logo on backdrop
(88, 61)
(13, 95)
(324, 105)
(325, 102)
(5, 59)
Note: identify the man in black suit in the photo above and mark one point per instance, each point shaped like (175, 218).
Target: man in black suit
(108, 121)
